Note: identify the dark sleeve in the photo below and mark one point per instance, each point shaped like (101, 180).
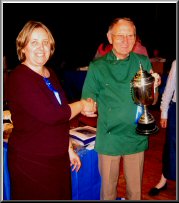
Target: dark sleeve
(33, 97)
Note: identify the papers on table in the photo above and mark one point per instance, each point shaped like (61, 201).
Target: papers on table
(85, 68)
(91, 146)
(7, 124)
(83, 136)
(7, 115)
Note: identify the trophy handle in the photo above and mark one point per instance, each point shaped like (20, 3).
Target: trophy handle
(132, 93)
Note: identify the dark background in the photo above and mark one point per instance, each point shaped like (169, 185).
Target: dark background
(79, 28)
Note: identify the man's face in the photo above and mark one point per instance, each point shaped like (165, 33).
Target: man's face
(122, 37)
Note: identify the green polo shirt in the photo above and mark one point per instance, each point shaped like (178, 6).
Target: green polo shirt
(108, 83)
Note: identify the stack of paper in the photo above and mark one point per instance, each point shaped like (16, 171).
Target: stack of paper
(83, 135)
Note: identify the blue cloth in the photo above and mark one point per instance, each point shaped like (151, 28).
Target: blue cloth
(6, 178)
(50, 86)
(86, 182)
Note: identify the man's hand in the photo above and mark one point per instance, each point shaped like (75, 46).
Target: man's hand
(89, 107)
(157, 78)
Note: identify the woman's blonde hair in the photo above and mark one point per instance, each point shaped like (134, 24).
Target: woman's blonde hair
(24, 36)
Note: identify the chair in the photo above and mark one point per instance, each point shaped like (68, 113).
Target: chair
(158, 67)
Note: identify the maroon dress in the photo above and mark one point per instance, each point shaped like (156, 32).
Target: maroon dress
(38, 146)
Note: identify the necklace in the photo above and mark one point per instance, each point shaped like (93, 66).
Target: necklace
(50, 86)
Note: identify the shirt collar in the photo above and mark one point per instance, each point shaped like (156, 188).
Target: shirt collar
(111, 57)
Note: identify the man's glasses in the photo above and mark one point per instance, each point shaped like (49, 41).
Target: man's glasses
(121, 37)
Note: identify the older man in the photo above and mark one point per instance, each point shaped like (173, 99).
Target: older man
(108, 83)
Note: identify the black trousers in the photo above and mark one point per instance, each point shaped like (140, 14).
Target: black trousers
(169, 154)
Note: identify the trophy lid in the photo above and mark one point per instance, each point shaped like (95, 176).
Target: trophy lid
(143, 75)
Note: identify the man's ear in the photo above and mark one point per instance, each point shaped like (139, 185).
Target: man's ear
(109, 36)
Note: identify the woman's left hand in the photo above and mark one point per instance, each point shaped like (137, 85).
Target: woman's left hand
(75, 160)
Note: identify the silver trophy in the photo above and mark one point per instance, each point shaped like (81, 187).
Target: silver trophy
(142, 90)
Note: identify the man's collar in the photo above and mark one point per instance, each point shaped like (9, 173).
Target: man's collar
(112, 57)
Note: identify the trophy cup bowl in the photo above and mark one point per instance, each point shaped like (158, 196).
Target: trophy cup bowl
(142, 90)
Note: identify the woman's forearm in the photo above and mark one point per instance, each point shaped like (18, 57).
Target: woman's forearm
(76, 108)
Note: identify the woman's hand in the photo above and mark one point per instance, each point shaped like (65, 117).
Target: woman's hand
(86, 107)
(163, 122)
(89, 107)
(74, 159)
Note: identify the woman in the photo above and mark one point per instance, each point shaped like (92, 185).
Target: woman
(39, 148)
(168, 121)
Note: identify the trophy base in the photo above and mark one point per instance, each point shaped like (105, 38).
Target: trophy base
(146, 129)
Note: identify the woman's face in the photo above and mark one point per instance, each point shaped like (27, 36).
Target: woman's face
(37, 51)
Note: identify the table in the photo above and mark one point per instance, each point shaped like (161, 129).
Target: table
(6, 180)
(86, 182)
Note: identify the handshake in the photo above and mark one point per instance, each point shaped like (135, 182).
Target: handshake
(89, 107)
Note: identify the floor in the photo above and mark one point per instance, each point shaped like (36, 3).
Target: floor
(152, 167)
